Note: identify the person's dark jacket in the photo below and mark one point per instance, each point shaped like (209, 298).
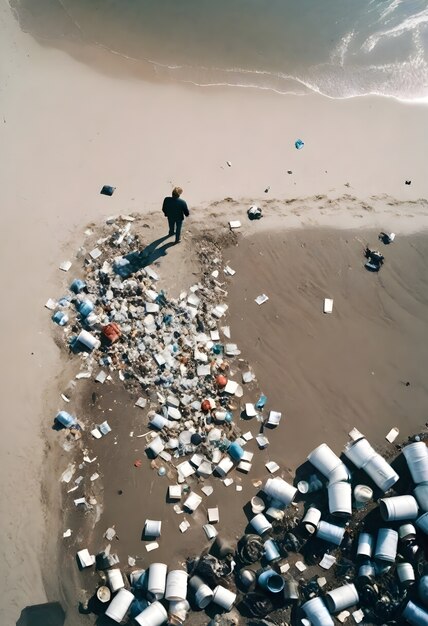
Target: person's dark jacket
(175, 208)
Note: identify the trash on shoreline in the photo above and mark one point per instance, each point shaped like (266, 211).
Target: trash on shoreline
(328, 305)
(107, 190)
(234, 224)
(254, 212)
(65, 266)
(299, 144)
(261, 299)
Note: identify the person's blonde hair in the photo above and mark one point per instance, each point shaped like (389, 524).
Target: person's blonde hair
(176, 192)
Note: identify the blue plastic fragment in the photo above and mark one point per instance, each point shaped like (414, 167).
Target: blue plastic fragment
(299, 144)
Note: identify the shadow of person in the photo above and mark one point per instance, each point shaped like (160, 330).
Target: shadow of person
(49, 614)
(141, 258)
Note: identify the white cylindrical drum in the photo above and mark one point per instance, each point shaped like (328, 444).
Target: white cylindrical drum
(153, 615)
(224, 466)
(88, 340)
(115, 579)
(421, 495)
(362, 495)
(223, 597)
(405, 573)
(416, 455)
(398, 508)
(177, 611)
(156, 446)
(365, 545)
(203, 596)
(339, 474)
(157, 580)
(271, 550)
(367, 571)
(415, 615)
(119, 606)
(381, 472)
(176, 585)
(317, 613)
(311, 519)
(422, 523)
(407, 532)
(330, 532)
(158, 421)
(342, 598)
(278, 489)
(386, 545)
(260, 523)
(324, 459)
(152, 528)
(340, 499)
(359, 452)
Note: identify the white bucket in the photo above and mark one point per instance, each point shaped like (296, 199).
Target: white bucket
(278, 489)
(311, 519)
(398, 508)
(158, 421)
(152, 528)
(224, 598)
(342, 598)
(153, 615)
(340, 499)
(261, 524)
(359, 452)
(339, 474)
(330, 532)
(176, 585)
(386, 545)
(157, 580)
(119, 606)
(416, 455)
(115, 579)
(406, 532)
(156, 446)
(422, 523)
(405, 573)
(421, 495)
(203, 596)
(362, 495)
(381, 472)
(257, 504)
(88, 340)
(224, 467)
(317, 613)
(324, 459)
(365, 545)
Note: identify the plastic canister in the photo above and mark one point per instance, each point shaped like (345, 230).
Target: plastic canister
(341, 598)
(359, 452)
(156, 446)
(330, 532)
(340, 499)
(77, 285)
(365, 545)
(362, 495)
(279, 489)
(270, 580)
(416, 455)
(257, 504)
(324, 459)
(317, 613)
(271, 550)
(235, 451)
(398, 508)
(381, 472)
(115, 579)
(88, 340)
(158, 421)
(339, 474)
(65, 419)
(421, 494)
(176, 585)
(291, 590)
(407, 532)
(157, 580)
(224, 466)
(119, 606)
(223, 597)
(367, 572)
(152, 528)
(154, 615)
(405, 573)
(422, 523)
(85, 307)
(311, 519)
(415, 615)
(260, 523)
(386, 545)
(203, 594)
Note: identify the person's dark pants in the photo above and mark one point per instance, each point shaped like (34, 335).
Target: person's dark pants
(175, 227)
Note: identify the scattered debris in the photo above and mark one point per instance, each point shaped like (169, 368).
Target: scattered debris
(261, 299)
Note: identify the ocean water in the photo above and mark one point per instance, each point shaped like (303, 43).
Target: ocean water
(339, 48)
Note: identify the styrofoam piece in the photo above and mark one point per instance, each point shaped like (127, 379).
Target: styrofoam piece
(213, 515)
(250, 410)
(205, 469)
(327, 561)
(398, 508)
(392, 435)
(119, 606)
(192, 501)
(104, 428)
(272, 467)
(157, 580)
(328, 305)
(65, 266)
(153, 615)
(386, 545)
(262, 441)
(234, 223)
(210, 531)
(244, 466)
(416, 455)
(261, 299)
(85, 559)
(274, 418)
(342, 598)
(184, 525)
(224, 467)
(231, 387)
(156, 446)
(152, 528)
(152, 546)
(247, 456)
(185, 469)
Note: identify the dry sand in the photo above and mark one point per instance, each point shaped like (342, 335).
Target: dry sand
(66, 129)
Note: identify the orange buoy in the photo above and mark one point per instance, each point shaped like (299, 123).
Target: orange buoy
(221, 380)
(206, 406)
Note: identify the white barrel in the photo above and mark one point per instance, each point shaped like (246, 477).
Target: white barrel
(115, 579)
(158, 421)
(365, 545)
(362, 494)
(422, 523)
(381, 472)
(311, 519)
(342, 598)
(224, 466)
(271, 550)
(178, 611)
(118, 607)
(386, 545)
(152, 528)
(317, 613)
(406, 532)
(153, 615)
(367, 571)
(176, 585)
(405, 573)
(415, 615)
(421, 494)
(339, 474)
(340, 499)
(416, 455)
(203, 596)
(157, 580)
(359, 452)
(88, 340)
(279, 489)
(223, 597)
(156, 446)
(324, 459)
(261, 524)
(398, 508)
(330, 532)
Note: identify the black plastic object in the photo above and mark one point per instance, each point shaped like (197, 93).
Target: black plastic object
(107, 190)
(250, 549)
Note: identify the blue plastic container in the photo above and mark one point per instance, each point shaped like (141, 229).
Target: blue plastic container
(235, 451)
(77, 285)
(60, 318)
(86, 307)
(65, 419)
(271, 550)
(299, 144)
(271, 581)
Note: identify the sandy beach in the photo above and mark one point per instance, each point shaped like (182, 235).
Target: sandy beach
(69, 126)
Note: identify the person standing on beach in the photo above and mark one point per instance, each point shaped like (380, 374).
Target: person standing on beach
(175, 209)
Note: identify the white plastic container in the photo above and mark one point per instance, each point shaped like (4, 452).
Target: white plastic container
(192, 501)
(416, 455)
(157, 580)
(224, 467)
(88, 340)
(381, 472)
(407, 532)
(342, 598)
(152, 528)
(365, 545)
(203, 596)
(339, 474)
(362, 495)
(422, 523)
(177, 611)
(153, 615)
(359, 452)
(340, 499)
(176, 585)
(115, 579)
(398, 508)
(158, 421)
(156, 446)
(330, 532)
(311, 519)
(279, 489)
(271, 550)
(317, 613)
(405, 573)
(415, 615)
(324, 459)
(118, 607)
(261, 524)
(421, 494)
(224, 598)
(386, 545)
